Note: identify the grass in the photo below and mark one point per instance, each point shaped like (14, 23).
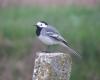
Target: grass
(80, 26)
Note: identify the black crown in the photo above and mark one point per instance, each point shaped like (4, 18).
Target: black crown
(44, 22)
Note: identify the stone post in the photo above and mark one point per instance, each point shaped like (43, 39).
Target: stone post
(52, 66)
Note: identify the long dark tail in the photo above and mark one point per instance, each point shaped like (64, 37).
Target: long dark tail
(71, 50)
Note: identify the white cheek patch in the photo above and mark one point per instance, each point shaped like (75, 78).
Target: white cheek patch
(41, 24)
(38, 23)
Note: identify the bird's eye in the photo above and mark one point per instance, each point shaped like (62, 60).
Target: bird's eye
(41, 25)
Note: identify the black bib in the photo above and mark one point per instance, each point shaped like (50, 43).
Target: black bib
(38, 30)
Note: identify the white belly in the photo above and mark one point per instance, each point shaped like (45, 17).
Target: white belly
(47, 40)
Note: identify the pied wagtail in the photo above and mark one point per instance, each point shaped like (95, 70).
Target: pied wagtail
(50, 36)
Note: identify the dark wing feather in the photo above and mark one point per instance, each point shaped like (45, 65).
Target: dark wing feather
(53, 33)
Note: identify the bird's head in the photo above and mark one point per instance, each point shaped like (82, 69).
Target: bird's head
(41, 24)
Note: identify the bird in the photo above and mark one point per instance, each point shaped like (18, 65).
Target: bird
(49, 35)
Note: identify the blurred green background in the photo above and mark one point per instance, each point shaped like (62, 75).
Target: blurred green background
(80, 25)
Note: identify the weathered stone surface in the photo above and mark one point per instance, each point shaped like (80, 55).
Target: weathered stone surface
(52, 66)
